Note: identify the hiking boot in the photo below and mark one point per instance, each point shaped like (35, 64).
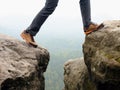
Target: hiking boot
(28, 38)
(92, 27)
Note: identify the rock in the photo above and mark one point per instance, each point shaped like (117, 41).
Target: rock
(102, 56)
(21, 66)
(76, 76)
(101, 70)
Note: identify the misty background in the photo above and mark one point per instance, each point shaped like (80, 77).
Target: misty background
(62, 34)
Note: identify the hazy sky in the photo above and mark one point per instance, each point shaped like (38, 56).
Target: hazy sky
(19, 13)
(68, 8)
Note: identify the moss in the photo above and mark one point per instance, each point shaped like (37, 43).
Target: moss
(109, 56)
(118, 60)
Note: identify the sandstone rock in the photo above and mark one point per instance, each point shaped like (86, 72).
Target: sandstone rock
(102, 56)
(21, 65)
(76, 76)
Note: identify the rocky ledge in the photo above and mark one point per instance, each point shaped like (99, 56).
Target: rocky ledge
(21, 66)
(101, 51)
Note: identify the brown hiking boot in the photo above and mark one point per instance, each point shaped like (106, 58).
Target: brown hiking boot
(92, 27)
(28, 38)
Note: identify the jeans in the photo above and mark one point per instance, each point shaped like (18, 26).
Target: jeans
(49, 8)
(85, 12)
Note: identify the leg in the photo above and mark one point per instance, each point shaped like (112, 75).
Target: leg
(86, 17)
(33, 29)
(40, 18)
(85, 12)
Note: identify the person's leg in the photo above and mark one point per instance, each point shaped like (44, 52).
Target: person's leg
(88, 25)
(85, 12)
(40, 18)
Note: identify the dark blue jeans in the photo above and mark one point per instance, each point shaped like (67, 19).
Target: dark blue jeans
(49, 8)
(85, 12)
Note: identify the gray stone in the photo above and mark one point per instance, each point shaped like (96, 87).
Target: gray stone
(102, 56)
(101, 70)
(21, 65)
(76, 76)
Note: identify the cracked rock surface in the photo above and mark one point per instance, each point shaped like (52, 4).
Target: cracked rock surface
(21, 66)
(100, 68)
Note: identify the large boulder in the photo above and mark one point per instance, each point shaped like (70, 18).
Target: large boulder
(101, 70)
(102, 56)
(21, 65)
(76, 76)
